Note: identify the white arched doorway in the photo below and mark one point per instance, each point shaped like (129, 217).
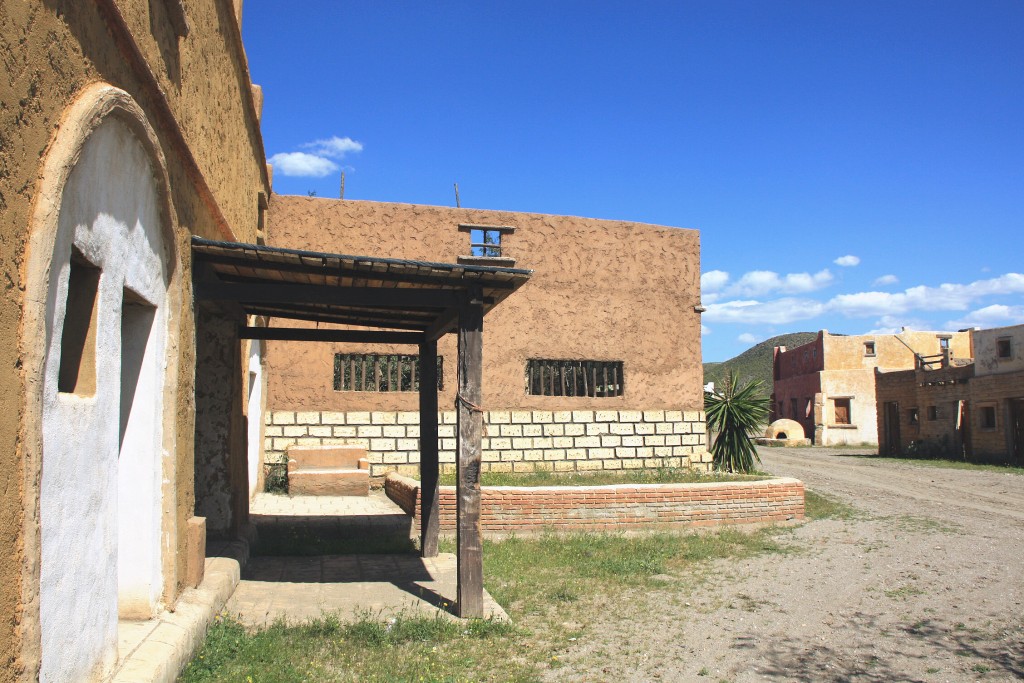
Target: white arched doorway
(100, 270)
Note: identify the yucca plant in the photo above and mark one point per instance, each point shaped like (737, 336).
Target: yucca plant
(736, 413)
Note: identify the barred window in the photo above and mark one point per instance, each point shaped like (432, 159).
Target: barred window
(380, 372)
(596, 378)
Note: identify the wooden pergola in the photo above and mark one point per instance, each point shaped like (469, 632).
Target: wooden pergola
(388, 301)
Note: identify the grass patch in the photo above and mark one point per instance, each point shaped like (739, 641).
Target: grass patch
(554, 587)
(403, 649)
(817, 506)
(667, 475)
(305, 540)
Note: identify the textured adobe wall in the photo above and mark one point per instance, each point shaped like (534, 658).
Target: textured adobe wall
(52, 50)
(604, 290)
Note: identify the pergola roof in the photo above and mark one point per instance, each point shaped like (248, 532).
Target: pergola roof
(362, 291)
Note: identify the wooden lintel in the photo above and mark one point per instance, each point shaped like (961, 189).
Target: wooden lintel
(351, 297)
(314, 335)
(445, 323)
(470, 422)
(429, 464)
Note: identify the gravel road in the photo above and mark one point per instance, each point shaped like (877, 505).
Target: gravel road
(925, 582)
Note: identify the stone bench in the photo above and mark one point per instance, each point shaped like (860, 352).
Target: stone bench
(328, 471)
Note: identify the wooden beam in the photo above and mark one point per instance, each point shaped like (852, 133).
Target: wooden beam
(470, 601)
(444, 324)
(341, 271)
(353, 336)
(429, 467)
(371, 297)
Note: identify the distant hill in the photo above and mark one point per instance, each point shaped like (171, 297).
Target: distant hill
(755, 362)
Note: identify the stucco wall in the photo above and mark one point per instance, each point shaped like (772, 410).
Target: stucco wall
(986, 358)
(53, 51)
(601, 290)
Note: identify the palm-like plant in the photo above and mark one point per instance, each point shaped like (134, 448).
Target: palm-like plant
(734, 413)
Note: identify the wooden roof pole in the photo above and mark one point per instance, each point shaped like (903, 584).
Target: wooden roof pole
(429, 467)
(470, 419)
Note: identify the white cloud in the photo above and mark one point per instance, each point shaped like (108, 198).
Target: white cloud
(334, 147)
(302, 164)
(945, 297)
(847, 261)
(713, 280)
(762, 282)
(777, 312)
(704, 330)
(892, 310)
(747, 338)
(317, 162)
(996, 315)
(885, 280)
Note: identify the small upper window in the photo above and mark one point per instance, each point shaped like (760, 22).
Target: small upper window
(913, 416)
(988, 417)
(944, 343)
(485, 242)
(488, 242)
(1004, 350)
(933, 413)
(869, 348)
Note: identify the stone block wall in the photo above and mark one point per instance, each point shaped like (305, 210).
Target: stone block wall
(514, 440)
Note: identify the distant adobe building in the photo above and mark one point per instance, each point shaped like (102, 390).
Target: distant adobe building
(967, 407)
(595, 364)
(828, 385)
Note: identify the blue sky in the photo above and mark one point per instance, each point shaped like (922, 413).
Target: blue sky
(855, 166)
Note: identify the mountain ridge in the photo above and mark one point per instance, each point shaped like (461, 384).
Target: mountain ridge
(756, 362)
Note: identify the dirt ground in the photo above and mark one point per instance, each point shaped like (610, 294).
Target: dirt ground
(925, 582)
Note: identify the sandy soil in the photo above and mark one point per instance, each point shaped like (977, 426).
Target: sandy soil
(924, 583)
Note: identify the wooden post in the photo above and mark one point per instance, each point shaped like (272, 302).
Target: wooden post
(470, 431)
(429, 514)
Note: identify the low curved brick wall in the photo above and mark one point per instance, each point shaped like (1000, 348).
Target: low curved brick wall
(618, 507)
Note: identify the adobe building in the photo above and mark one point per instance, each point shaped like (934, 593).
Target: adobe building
(971, 408)
(828, 385)
(128, 127)
(135, 193)
(595, 364)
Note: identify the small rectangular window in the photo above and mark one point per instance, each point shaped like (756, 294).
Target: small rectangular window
(485, 242)
(933, 413)
(380, 372)
(77, 372)
(869, 348)
(913, 416)
(595, 378)
(1004, 350)
(943, 343)
(793, 403)
(841, 410)
(988, 417)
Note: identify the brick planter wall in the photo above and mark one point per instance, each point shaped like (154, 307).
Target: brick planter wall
(514, 441)
(619, 507)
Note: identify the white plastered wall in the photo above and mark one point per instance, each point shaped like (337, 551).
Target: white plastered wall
(100, 494)
(254, 414)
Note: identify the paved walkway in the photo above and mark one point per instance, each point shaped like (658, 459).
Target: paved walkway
(350, 586)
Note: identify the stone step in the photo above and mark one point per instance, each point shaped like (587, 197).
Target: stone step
(326, 481)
